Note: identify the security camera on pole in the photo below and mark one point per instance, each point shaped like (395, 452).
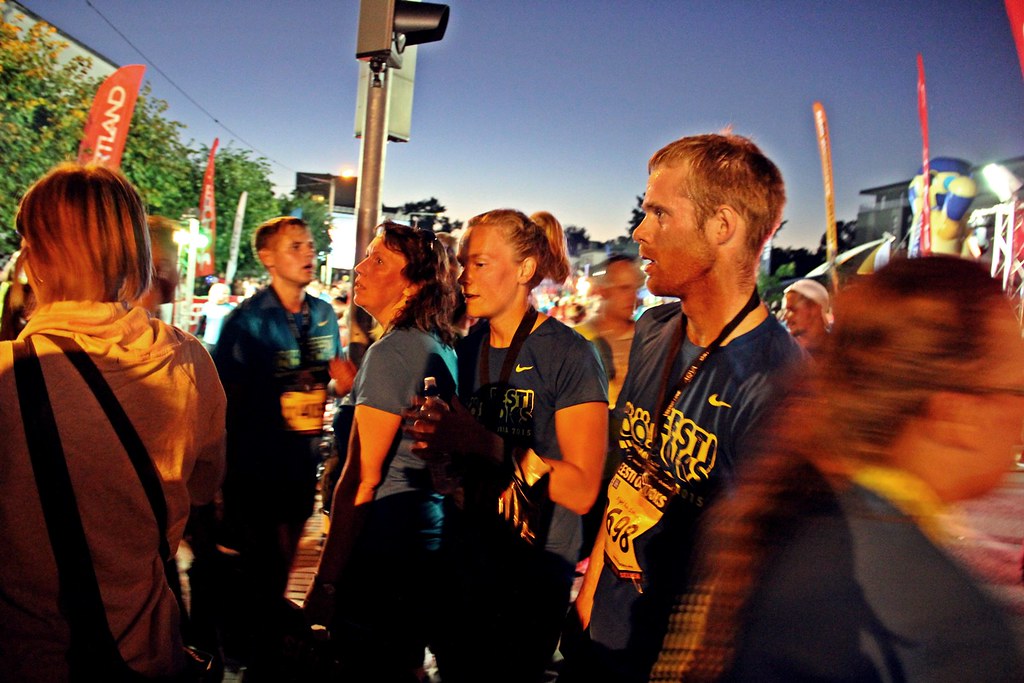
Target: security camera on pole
(386, 28)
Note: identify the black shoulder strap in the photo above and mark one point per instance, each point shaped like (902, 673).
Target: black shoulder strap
(92, 647)
(130, 438)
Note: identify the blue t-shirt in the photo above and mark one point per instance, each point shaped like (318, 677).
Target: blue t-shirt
(406, 515)
(556, 368)
(390, 376)
(259, 357)
(704, 438)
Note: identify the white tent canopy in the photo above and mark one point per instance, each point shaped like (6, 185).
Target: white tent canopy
(862, 250)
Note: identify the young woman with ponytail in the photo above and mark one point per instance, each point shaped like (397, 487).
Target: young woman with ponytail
(530, 432)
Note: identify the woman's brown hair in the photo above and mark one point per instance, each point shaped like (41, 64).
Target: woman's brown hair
(432, 307)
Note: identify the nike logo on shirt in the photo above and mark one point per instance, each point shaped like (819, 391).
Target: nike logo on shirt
(717, 402)
(523, 368)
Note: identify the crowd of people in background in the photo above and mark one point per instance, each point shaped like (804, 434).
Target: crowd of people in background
(529, 489)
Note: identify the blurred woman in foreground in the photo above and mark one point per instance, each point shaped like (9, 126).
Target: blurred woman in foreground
(827, 562)
(86, 252)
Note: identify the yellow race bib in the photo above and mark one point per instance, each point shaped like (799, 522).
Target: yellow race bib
(303, 411)
(637, 497)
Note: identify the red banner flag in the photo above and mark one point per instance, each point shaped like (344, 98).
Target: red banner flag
(825, 150)
(106, 129)
(926, 197)
(208, 218)
(1015, 9)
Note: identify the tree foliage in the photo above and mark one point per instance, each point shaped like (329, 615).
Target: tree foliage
(846, 238)
(157, 162)
(425, 213)
(43, 107)
(314, 213)
(576, 239)
(637, 216)
(801, 259)
(237, 170)
(44, 103)
(771, 286)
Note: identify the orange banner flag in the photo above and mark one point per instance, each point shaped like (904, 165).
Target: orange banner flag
(208, 217)
(106, 129)
(825, 150)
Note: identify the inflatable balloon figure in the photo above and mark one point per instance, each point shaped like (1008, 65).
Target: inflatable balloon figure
(951, 192)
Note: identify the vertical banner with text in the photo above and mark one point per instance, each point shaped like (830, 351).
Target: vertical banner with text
(208, 218)
(825, 149)
(926, 196)
(106, 129)
(236, 239)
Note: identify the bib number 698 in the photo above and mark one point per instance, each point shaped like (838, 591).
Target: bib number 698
(620, 527)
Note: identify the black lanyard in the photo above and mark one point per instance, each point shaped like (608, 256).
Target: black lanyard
(518, 339)
(300, 333)
(691, 372)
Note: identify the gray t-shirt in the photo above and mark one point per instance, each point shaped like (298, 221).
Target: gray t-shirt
(390, 376)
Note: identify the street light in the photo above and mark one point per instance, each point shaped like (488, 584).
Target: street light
(192, 240)
(1001, 181)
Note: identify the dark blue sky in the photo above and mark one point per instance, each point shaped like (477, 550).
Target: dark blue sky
(545, 104)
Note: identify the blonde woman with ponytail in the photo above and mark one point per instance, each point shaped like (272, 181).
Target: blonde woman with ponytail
(532, 416)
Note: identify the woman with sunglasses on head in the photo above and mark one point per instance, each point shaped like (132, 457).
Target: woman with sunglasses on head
(829, 562)
(378, 565)
(113, 424)
(532, 434)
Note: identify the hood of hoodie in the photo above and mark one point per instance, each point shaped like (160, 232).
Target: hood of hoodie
(127, 338)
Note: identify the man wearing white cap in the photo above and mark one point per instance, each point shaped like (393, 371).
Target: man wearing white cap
(806, 310)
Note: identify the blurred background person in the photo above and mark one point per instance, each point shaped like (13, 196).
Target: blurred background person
(828, 563)
(159, 298)
(15, 298)
(379, 564)
(463, 322)
(211, 317)
(86, 251)
(535, 422)
(616, 282)
(807, 312)
(277, 354)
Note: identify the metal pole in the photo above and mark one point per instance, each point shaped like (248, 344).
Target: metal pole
(184, 314)
(371, 163)
(190, 277)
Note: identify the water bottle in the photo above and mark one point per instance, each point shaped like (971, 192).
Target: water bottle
(438, 463)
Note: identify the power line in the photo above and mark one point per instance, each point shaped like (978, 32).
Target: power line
(182, 91)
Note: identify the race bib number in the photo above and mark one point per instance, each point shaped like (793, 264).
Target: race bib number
(637, 497)
(303, 411)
